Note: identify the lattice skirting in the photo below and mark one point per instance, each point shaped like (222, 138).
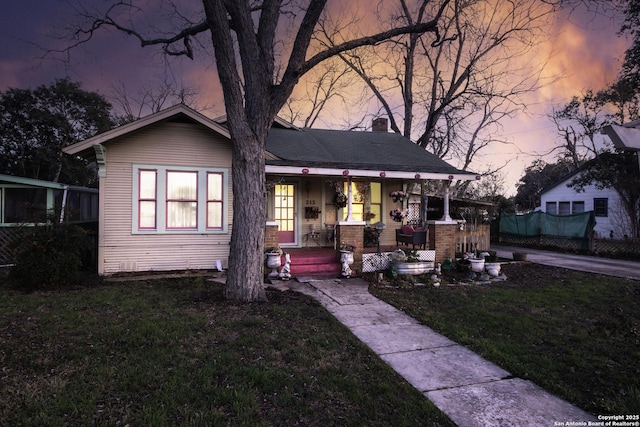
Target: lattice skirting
(381, 261)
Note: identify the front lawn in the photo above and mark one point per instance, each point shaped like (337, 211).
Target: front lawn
(574, 334)
(168, 353)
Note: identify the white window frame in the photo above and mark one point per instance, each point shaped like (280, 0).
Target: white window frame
(578, 203)
(161, 200)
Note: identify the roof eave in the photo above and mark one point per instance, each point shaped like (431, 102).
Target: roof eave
(369, 173)
(85, 147)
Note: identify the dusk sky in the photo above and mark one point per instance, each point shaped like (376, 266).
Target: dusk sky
(584, 51)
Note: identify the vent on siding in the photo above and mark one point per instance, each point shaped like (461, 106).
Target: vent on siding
(128, 266)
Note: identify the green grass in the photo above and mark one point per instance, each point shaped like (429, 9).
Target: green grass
(575, 334)
(167, 353)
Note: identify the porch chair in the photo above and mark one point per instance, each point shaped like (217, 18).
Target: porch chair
(407, 235)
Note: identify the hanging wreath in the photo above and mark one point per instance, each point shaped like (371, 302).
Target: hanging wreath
(398, 196)
(340, 200)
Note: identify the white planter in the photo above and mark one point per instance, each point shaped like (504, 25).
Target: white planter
(477, 264)
(493, 268)
(413, 268)
(273, 262)
(346, 259)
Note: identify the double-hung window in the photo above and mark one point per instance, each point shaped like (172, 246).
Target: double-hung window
(601, 206)
(147, 199)
(179, 199)
(215, 204)
(182, 200)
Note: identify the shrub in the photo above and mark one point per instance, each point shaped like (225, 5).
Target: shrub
(48, 256)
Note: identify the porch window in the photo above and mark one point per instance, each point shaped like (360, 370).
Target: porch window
(179, 199)
(25, 205)
(366, 199)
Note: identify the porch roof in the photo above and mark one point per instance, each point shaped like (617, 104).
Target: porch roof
(332, 152)
(31, 182)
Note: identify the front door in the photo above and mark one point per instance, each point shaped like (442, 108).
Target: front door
(285, 212)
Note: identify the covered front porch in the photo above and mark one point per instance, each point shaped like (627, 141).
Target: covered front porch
(357, 211)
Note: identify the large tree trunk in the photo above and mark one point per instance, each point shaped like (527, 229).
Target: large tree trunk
(246, 264)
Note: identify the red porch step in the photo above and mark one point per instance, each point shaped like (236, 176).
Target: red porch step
(314, 262)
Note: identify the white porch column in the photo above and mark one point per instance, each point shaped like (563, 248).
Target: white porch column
(446, 216)
(349, 198)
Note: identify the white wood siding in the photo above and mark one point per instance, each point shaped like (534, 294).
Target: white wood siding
(174, 144)
(613, 224)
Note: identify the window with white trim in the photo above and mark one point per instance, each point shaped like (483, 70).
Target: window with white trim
(215, 181)
(147, 199)
(182, 200)
(551, 208)
(564, 208)
(577, 207)
(601, 207)
(179, 199)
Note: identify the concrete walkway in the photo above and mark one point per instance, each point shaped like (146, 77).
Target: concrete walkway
(469, 389)
(591, 264)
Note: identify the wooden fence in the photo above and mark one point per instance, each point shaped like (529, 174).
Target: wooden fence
(474, 237)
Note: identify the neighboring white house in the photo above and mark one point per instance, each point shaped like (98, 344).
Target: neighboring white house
(611, 217)
(612, 220)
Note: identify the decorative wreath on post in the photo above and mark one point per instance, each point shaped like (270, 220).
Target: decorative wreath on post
(340, 200)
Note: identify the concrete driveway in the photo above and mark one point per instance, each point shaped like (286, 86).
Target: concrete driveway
(591, 264)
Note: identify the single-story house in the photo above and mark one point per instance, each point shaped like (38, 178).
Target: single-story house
(559, 199)
(612, 221)
(166, 194)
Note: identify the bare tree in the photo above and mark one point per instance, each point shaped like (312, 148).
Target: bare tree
(324, 84)
(578, 123)
(454, 93)
(258, 67)
(149, 99)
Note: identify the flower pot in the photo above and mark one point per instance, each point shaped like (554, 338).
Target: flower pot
(477, 264)
(519, 256)
(413, 268)
(464, 265)
(493, 268)
(346, 259)
(273, 262)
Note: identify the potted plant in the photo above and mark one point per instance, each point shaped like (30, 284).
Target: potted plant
(311, 212)
(398, 195)
(409, 263)
(368, 216)
(475, 260)
(340, 200)
(273, 261)
(493, 268)
(398, 215)
(519, 256)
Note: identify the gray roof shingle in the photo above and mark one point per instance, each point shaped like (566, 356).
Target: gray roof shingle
(352, 150)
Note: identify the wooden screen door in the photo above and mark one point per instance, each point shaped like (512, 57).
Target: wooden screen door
(285, 212)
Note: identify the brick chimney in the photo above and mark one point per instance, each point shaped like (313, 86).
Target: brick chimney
(379, 125)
